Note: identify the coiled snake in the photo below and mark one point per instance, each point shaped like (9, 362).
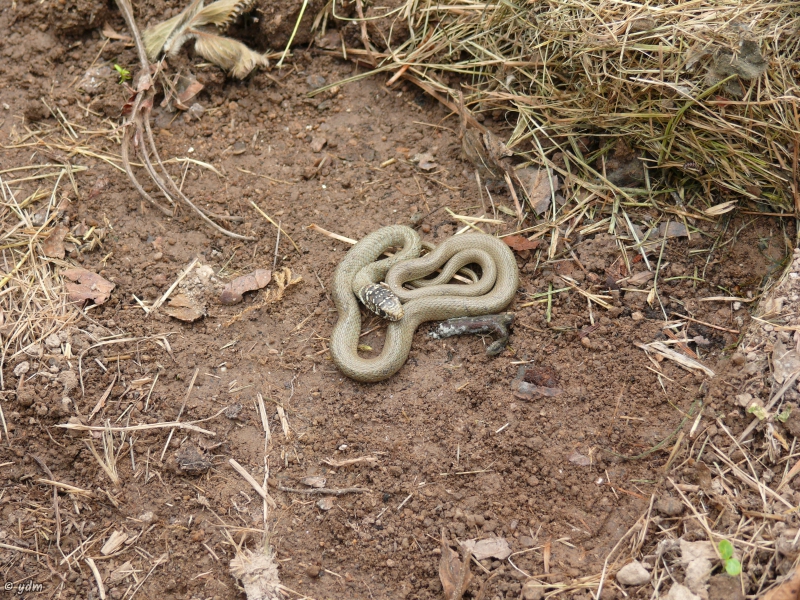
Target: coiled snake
(432, 300)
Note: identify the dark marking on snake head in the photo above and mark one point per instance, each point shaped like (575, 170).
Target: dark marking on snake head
(382, 301)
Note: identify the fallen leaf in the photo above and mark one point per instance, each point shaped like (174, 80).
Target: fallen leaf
(188, 88)
(182, 307)
(494, 547)
(85, 285)
(53, 246)
(537, 187)
(789, 589)
(518, 243)
(454, 572)
(233, 292)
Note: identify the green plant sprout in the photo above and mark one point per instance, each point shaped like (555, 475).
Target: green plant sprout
(124, 74)
(732, 566)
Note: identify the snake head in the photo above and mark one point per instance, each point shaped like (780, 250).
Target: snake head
(382, 301)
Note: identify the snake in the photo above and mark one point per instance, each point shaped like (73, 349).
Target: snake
(360, 273)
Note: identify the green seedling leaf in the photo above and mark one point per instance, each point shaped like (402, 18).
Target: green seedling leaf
(124, 74)
(725, 550)
(784, 416)
(757, 411)
(733, 567)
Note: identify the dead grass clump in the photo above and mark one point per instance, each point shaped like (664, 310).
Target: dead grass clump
(33, 307)
(705, 93)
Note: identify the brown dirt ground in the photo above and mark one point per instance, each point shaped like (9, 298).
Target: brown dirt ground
(456, 450)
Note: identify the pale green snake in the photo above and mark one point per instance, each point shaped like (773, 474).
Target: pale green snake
(433, 300)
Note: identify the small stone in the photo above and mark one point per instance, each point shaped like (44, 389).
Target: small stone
(147, 517)
(532, 590)
(637, 316)
(158, 255)
(313, 571)
(390, 563)
(744, 400)
(195, 111)
(318, 143)
(52, 341)
(669, 506)
(315, 81)
(239, 148)
(681, 592)
(22, 368)
(633, 573)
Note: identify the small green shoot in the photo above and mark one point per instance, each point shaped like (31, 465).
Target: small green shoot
(124, 74)
(732, 566)
(784, 416)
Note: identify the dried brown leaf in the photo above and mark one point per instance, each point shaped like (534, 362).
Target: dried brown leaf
(537, 187)
(454, 572)
(85, 285)
(518, 243)
(188, 88)
(183, 308)
(53, 246)
(234, 291)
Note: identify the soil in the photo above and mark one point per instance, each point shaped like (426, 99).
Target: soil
(561, 478)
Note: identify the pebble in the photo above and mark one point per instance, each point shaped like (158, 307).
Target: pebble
(633, 573)
(22, 368)
(315, 81)
(526, 541)
(637, 316)
(390, 563)
(52, 341)
(532, 590)
(239, 148)
(312, 571)
(681, 592)
(318, 143)
(667, 505)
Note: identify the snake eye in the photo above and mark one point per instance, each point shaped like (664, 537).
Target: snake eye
(382, 301)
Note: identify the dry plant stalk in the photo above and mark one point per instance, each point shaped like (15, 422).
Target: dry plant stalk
(138, 133)
(203, 25)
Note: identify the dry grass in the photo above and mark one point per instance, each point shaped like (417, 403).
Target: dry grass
(705, 93)
(32, 303)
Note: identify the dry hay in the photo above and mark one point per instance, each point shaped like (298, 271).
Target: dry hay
(33, 305)
(705, 93)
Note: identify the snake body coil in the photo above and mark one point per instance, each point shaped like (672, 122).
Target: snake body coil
(432, 300)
